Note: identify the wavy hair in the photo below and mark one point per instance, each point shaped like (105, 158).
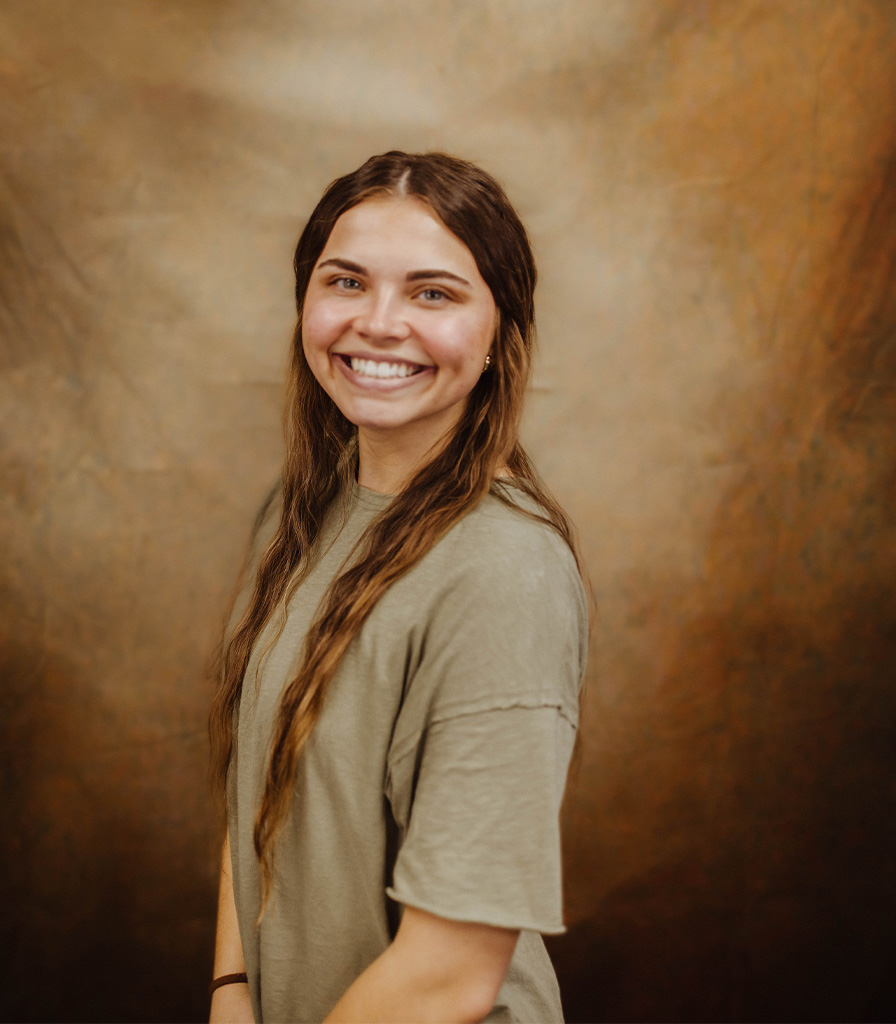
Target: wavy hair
(322, 456)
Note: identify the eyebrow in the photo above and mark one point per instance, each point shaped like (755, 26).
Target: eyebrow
(355, 268)
(415, 275)
(425, 275)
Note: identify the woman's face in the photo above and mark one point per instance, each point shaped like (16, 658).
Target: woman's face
(397, 321)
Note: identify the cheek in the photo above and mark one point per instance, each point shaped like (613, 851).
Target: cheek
(316, 329)
(465, 346)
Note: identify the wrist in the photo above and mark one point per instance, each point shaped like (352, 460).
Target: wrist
(231, 1004)
(238, 978)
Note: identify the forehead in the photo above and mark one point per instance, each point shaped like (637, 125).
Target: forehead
(403, 231)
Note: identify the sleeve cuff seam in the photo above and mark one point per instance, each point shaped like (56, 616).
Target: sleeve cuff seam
(532, 704)
(494, 920)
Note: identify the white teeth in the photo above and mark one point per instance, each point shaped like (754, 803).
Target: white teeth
(372, 368)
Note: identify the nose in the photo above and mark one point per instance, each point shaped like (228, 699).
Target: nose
(381, 317)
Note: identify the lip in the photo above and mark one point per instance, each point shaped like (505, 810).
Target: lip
(380, 383)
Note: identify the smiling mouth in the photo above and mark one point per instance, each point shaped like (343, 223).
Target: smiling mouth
(381, 370)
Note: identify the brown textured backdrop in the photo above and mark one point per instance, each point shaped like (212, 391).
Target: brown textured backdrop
(711, 190)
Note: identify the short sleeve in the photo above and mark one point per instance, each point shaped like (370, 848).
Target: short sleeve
(479, 760)
(483, 842)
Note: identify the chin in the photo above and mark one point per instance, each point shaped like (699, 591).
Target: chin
(381, 424)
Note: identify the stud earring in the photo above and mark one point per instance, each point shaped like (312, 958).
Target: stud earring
(488, 363)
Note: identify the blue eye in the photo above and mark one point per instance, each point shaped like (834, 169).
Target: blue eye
(432, 294)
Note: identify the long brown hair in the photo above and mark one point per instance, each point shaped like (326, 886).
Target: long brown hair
(322, 454)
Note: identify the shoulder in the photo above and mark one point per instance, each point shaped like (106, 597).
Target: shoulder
(500, 613)
(507, 545)
(495, 624)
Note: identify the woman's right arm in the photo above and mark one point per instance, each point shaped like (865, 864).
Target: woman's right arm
(230, 1003)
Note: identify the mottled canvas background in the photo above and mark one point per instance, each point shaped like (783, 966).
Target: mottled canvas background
(711, 191)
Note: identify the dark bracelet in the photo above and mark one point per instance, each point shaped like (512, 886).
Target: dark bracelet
(228, 979)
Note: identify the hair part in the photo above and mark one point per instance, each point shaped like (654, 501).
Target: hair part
(321, 461)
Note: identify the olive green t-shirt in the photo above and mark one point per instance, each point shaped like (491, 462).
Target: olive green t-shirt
(434, 775)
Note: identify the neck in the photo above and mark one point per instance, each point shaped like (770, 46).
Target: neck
(386, 466)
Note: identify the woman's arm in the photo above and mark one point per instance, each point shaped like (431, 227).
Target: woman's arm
(435, 970)
(230, 1003)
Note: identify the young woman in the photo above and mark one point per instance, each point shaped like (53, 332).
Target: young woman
(400, 693)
